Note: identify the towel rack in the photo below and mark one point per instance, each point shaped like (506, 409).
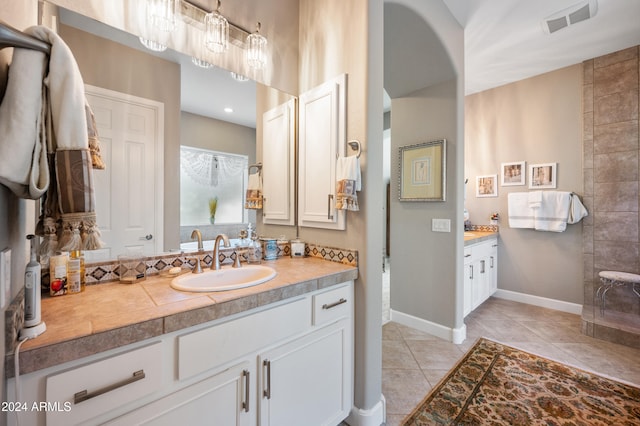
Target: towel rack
(10, 37)
(257, 166)
(356, 146)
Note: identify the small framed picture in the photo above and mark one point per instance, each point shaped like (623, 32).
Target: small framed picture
(542, 176)
(487, 186)
(423, 172)
(513, 173)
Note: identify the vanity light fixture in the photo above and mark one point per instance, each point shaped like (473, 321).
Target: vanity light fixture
(153, 45)
(216, 31)
(239, 77)
(162, 14)
(201, 63)
(256, 49)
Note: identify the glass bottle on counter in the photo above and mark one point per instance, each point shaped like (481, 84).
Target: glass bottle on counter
(75, 272)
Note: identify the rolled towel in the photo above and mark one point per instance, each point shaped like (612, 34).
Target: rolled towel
(254, 192)
(348, 181)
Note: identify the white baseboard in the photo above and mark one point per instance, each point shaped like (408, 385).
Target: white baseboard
(455, 335)
(558, 305)
(374, 416)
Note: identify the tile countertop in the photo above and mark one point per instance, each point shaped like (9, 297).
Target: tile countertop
(472, 237)
(111, 315)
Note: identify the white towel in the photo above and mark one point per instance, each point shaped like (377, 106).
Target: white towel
(577, 211)
(535, 199)
(24, 167)
(553, 212)
(70, 197)
(348, 181)
(253, 199)
(521, 215)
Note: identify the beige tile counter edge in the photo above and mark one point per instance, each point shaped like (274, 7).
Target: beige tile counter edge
(479, 236)
(113, 315)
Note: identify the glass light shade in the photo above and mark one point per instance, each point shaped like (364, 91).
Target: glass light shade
(256, 49)
(201, 63)
(153, 45)
(216, 32)
(161, 14)
(239, 77)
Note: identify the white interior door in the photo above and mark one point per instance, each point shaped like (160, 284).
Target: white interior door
(129, 203)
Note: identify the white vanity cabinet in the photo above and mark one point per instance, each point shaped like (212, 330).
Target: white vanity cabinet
(221, 399)
(321, 139)
(278, 164)
(308, 381)
(480, 273)
(288, 363)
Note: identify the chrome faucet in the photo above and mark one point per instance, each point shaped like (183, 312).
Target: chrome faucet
(197, 234)
(215, 262)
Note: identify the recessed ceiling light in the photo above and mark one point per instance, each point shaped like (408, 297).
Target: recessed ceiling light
(228, 110)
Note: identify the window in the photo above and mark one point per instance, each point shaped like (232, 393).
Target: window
(212, 187)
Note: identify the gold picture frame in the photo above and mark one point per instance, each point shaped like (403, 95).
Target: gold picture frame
(423, 171)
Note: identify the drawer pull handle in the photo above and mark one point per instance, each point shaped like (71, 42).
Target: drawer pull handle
(245, 404)
(334, 304)
(84, 395)
(267, 391)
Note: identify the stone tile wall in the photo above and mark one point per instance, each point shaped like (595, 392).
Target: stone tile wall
(611, 239)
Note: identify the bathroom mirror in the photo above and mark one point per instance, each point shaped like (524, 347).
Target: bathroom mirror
(169, 79)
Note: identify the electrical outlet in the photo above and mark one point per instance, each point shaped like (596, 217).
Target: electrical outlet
(5, 277)
(441, 225)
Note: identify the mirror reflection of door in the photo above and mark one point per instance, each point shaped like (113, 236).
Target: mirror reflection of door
(129, 191)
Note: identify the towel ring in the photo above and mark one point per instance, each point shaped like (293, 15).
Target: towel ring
(258, 166)
(356, 146)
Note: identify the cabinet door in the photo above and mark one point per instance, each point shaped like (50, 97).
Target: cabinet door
(278, 164)
(468, 283)
(308, 381)
(227, 398)
(493, 268)
(322, 137)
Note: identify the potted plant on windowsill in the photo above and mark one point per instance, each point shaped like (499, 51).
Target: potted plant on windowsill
(213, 206)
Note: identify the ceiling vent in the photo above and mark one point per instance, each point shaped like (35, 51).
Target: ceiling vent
(570, 16)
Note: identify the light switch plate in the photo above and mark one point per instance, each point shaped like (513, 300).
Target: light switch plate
(441, 225)
(5, 277)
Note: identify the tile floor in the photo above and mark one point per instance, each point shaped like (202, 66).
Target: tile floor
(413, 362)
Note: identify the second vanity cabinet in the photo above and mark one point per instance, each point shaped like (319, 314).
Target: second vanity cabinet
(480, 273)
(288, 363)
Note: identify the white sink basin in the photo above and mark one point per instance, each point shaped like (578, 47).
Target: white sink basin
(227, 278)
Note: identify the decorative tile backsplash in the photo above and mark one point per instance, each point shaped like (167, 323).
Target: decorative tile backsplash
(97, 273)
(484, 228)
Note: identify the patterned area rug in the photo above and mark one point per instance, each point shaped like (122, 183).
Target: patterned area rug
(495, 384)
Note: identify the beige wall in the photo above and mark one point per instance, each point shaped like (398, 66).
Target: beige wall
(334, 40)
(17, 216)
(423, 272)
(537, 120)
(208, 133)
(113, 66)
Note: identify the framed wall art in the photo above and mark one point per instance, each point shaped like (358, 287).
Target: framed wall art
(423, 172)
(487, 186)
(542, 176)
(513, 174)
